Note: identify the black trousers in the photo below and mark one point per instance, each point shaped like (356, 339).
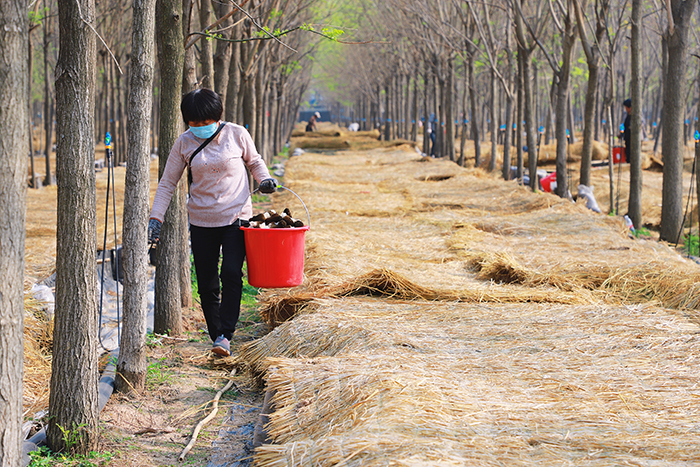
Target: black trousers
(220, 293)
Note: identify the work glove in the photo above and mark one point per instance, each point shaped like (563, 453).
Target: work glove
(154, 226)
(267, 186)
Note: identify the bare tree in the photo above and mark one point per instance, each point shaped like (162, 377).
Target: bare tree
(634, 207)
(131, 366)
(14, 148)
(592, 50)
(672, 147)
(73, 400)
(167, 313)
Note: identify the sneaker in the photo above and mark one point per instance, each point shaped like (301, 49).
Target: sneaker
(221, 346)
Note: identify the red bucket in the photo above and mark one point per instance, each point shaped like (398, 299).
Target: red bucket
(547, 182)
(618, 154)
(275, 257)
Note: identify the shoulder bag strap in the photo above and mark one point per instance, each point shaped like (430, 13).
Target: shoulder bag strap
(196, 151)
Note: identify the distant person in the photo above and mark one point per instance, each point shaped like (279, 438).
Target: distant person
(311, 126)
(626, 133)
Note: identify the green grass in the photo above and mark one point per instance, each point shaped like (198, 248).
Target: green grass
(691, 245)
(642, 232)
(158, 374)
(44, 457)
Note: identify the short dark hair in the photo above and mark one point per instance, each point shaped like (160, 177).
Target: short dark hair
(627, 103)
(200, 105)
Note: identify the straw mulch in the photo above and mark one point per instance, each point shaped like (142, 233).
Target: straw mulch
(370, 382)
(450, 318)
(414, 227)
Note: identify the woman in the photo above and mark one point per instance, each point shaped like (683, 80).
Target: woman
(218, 205)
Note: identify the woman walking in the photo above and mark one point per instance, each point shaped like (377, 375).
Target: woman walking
(217, 154)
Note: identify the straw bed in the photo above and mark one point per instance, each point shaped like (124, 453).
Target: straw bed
(483, 385)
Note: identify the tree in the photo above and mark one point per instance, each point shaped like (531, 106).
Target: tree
(14, 148)
(167, 313)
(672, 146)
(592, 51)
(562, 72)
(131, 366)
(73, 400)
(634, 207)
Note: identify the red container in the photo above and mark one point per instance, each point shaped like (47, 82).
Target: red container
(618, 154)
(546, 182)
(275, 257)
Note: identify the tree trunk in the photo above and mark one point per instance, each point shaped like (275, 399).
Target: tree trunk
(222, 58)
(519, 119)
(131, 366)
(189, 68)
(48, 108)
(167, 313)
(449, 112)
(206, 56)
(234, 83)
(494, 121)
(474, 118)
(48, 118)
(588, 124)
(529, 123)
(634, 208)
(14, 115)
(672, 147)
(74, 371)
(562, 101)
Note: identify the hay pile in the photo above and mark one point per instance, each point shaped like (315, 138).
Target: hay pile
(449, 318)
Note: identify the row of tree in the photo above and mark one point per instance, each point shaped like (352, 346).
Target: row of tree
(109, 63)
(471, 69)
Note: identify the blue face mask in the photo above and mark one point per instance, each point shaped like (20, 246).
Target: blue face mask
(203, 132)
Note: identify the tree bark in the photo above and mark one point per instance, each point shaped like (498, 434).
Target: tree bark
(167, 313)
(634, 208)
(672, 147)
(189, 68)
(131, 366)
(222, 58)
(569, 39)
(494, 121)
(206, 53)
(14, 147)
(74, 372)
(473, 104)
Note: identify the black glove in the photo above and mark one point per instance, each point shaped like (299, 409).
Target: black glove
(154, 226)
(267, 186)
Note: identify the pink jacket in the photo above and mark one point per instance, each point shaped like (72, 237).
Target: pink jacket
(220, 192)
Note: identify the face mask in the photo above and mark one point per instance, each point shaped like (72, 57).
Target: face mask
(203, 132)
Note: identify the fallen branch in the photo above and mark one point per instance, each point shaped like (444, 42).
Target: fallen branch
(215, 409)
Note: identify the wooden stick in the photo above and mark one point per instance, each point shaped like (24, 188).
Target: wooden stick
(215, 409)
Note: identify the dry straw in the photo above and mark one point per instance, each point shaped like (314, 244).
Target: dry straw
(449, 318)
(369, 382)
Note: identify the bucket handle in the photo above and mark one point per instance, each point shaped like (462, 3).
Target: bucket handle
(308, 217)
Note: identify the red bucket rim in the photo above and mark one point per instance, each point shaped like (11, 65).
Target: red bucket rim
(284, 229)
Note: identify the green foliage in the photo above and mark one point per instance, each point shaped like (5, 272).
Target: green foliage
(43, 457)
(153, 341)
(642, 232)
(289, 68)
(37, 17)
(72, 437)
(157, 374)
(691, 245)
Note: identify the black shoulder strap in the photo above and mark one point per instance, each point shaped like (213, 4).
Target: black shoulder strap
(196, 151)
